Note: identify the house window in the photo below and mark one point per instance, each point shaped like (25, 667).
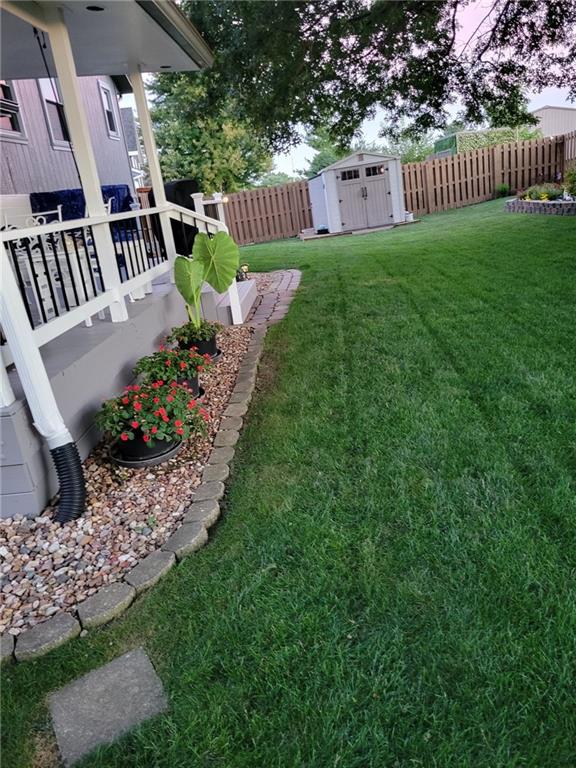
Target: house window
(109, 114)
(54, 112)
(375, 170)
(10, 118)
(353, 173)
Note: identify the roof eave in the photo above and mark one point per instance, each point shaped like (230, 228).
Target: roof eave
(168, 16)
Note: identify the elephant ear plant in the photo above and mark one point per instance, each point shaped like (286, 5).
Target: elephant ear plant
(215, 261)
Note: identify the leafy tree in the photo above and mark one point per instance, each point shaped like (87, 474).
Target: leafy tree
(326, 152)
(331, 63)
(204, 140)
(275, 178)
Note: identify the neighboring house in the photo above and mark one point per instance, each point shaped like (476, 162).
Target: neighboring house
(556, 121)
(85, 294)
(134, 146)
(35, 143)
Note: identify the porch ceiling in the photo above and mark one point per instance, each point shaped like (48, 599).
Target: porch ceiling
(126, 36)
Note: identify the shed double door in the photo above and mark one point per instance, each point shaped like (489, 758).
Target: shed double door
(365, 199)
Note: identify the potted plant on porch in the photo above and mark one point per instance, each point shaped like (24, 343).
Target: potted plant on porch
(181, 364)
(214, 261)
(147, 423)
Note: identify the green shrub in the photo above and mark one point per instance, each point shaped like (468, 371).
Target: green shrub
(543, 192)
(570, 180)
(502, 190)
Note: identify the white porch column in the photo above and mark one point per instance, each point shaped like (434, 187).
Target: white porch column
(84, 154)
(153, 162)
(6, 392)
(20, 337)
(219, 200)
(198, 199)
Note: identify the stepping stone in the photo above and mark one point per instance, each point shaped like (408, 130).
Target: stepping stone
(215, 472)
(150, 570)
(46, 636)
(232, 422)
(205, 512)
(221, 456)
(6, 649)
(225, 438)
(187, 539)
(98, 708)
(105, 605)
(205, 491)
(236, 409)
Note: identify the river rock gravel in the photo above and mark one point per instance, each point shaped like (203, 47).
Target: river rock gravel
(46, 567)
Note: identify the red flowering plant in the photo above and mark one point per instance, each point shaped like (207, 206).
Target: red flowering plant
(160, 410)
(172, 363)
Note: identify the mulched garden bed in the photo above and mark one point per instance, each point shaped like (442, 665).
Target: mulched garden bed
(130, 513)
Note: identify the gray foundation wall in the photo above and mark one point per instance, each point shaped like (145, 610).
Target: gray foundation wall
(86, 366)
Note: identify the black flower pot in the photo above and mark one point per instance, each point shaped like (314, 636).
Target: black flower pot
(192, 383)
(204, 346)
(136, 453)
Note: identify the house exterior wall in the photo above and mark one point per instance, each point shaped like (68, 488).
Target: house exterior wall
(555, 121)
(33, 164)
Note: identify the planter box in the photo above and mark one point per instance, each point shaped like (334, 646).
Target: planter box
(550, 207)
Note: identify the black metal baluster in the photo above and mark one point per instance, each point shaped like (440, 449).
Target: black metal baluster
(21, 283)
(142, 261)
(83, 230)
(59, 269)
(130, 252)
(74, 235)
(69, 265)
(48, 274)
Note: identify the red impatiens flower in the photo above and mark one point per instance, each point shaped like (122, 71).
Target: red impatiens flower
(137, 406)
(179, 431)
(177, 423)
(161, 347)
(169, 399)
(205, 415)
(135, 388)
(124, 436)
(192, 404)
(125, 400)
(156, 400)
(154, 430)
(146, 438)
(199, 368)
(168, 362)
(183, 365)
(134, 424)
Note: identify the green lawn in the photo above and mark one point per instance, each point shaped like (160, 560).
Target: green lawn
(393, 582)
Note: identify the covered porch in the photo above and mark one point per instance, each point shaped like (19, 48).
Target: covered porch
(81, 297)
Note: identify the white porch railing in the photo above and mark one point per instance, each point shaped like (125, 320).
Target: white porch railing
(68, 271)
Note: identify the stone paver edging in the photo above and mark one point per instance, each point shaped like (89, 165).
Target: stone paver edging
(113, 599)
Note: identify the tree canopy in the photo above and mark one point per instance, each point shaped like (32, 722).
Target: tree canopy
(205, 140)
(331, 63)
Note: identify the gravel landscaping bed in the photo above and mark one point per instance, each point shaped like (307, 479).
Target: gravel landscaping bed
(47, 568)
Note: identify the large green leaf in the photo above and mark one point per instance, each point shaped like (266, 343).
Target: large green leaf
(220, 257)
(188, 276)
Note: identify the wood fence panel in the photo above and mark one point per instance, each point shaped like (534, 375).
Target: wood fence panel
(271, 213)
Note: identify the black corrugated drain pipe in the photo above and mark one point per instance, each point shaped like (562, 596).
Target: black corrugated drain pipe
(72, 484)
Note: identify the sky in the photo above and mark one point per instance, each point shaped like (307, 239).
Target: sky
(470, 21)
(298, 157)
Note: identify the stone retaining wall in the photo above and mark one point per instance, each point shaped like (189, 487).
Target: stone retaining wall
(550, 207)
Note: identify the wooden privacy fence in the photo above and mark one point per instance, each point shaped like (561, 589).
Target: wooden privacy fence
(472, 177)
(269, 213)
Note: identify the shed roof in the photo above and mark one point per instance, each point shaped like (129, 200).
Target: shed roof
(358, 158)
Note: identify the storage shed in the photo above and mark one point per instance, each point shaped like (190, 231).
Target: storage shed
(361, 191)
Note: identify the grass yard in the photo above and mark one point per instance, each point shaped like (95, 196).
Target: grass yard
(393, 582)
